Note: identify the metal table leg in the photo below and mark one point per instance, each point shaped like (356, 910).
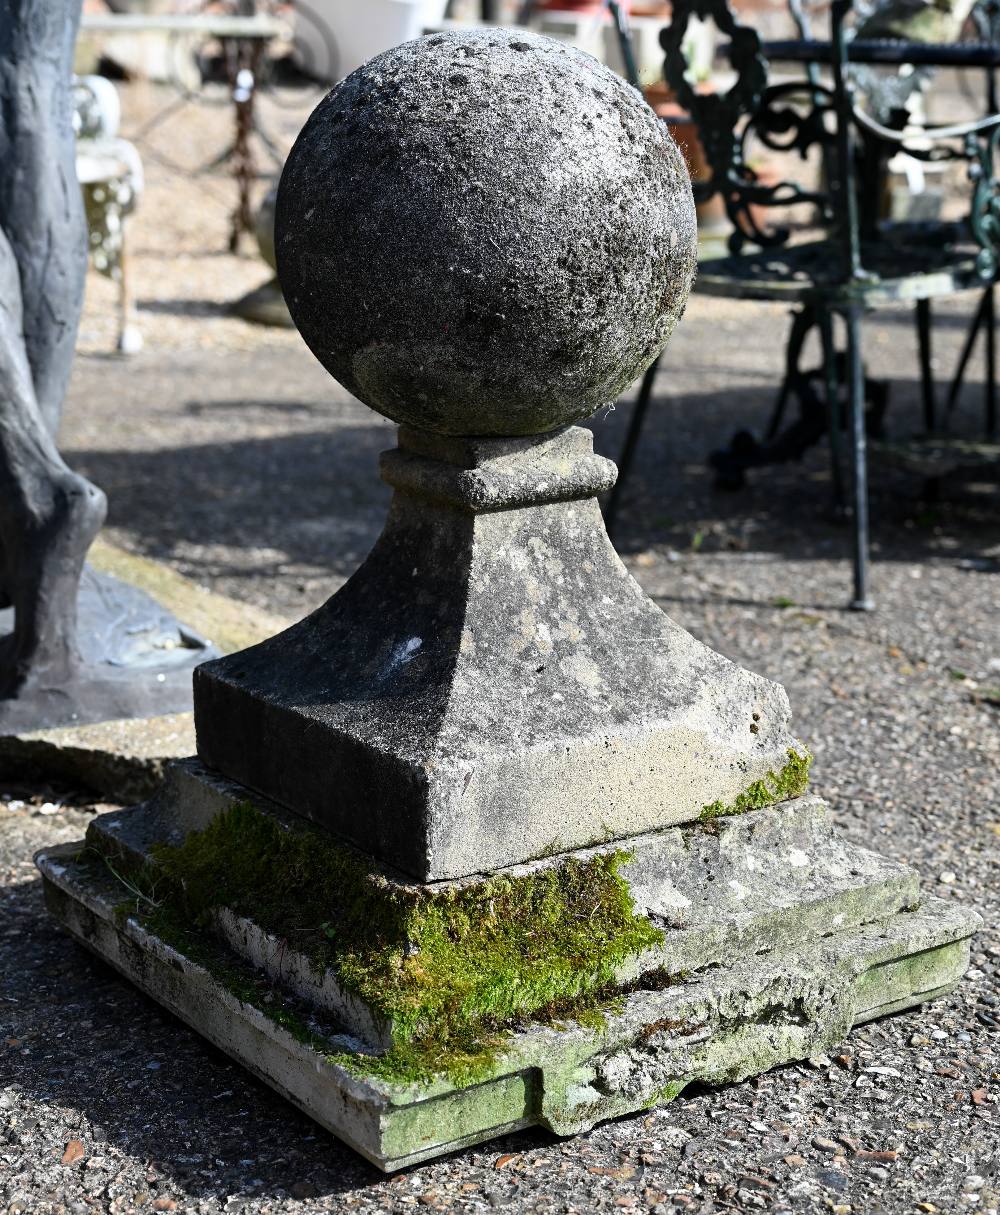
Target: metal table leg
(926, 372)
(967, 348)
(802, 322)
(631, 442)
(861, 602)
(832, 388)
(989, 320)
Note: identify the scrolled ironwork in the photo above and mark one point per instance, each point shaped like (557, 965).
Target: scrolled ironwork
(749, 109)
(786, 128)
(719, 115)
(984, 213)
(781, 127)
(865, 110)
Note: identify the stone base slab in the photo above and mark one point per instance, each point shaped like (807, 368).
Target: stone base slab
(229, 624)
(720, 891)
(265, 305)
(720, 1024)
(122, 760)
(135, 660)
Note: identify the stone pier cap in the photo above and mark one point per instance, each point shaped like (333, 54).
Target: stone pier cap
(485, 232)
(557, 792)
(485, 235)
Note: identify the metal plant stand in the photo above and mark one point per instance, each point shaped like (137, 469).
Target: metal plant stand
(244, 38)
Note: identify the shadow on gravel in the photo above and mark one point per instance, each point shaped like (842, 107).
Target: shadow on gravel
(186, 307)
(787, 509)
(316, 498)
(313, 497)
(241, 404)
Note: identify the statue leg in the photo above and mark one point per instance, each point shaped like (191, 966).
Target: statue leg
(41, 205)
(49, 516)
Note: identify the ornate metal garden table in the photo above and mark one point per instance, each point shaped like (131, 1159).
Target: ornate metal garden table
(855, 122)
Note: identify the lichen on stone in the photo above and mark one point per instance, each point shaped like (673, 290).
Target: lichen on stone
(448, 971)
(791, 781)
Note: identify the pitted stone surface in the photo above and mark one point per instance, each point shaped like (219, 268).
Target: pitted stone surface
(485, 232)
(490, 686)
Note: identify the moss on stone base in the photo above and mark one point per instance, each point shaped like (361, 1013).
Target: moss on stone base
(451, 971)
(791, 781)
(448, 970)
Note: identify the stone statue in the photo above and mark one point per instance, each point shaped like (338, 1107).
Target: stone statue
(487, 840)
(49, 515)
(132, 658)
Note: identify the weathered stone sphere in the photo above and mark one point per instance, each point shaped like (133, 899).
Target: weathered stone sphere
(485, 232)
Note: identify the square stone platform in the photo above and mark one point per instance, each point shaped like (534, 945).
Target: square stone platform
(124, 759)
(778, 937)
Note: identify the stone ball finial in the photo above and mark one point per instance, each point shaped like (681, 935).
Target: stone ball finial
(485, 232)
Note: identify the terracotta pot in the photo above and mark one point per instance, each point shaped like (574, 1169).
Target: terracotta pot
(768, 174)
(574, 6)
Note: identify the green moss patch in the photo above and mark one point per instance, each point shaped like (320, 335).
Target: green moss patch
(449, 971)
(791, 781)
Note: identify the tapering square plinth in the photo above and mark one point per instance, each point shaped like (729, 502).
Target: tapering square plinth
(492, 684)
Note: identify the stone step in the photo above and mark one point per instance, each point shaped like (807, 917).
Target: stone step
(722, 891)
(749, 883)
(723, 1024)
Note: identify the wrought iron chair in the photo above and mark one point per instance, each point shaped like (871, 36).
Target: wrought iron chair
(860, 262)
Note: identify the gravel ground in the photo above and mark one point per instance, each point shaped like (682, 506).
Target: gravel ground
(229, 454)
